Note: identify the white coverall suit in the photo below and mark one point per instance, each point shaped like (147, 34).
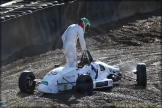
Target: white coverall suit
(69, 39)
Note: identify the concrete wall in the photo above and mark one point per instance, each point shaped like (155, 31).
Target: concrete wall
(47, 25)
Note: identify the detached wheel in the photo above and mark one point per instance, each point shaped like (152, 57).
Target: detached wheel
(26, 82)
(84, 84)
(141, 74)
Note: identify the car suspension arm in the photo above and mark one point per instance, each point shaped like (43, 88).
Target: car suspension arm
(68, 81)
(128, 78)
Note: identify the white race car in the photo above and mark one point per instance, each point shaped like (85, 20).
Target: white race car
(90, 74)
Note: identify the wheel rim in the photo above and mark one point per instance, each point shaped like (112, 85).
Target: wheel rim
(87, 87)
(30, 82)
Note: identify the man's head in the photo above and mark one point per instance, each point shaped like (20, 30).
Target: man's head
(84, 23)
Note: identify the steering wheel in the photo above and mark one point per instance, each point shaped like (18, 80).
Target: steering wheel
(85, 59)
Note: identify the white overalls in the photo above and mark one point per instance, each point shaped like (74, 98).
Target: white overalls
(69, 39)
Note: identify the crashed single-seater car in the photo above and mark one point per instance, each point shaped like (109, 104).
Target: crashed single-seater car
(90, 74)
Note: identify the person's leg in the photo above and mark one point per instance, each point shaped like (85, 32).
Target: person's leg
(74, 57)
(70, 56)
(66, 53)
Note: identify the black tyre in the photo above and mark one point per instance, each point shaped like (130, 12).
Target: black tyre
(26, 82)
(84, 84)
(141, 74)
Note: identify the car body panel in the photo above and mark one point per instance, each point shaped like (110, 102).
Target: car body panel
(64, 78)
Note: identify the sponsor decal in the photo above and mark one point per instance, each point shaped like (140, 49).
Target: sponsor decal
(72, 76)
(95, 70)
(49, 89)
(3, 100)
(89, 72)
(54, 73)
(65, 87)
(101, 84)
(44, 82)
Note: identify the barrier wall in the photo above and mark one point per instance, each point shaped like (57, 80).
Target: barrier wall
(47, 25)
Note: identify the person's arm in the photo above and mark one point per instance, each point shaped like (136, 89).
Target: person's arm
(81, 40)
(63, 37)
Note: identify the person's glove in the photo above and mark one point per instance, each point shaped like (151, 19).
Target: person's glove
(85, 51)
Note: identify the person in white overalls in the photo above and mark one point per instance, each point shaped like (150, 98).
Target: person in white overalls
(69, 38)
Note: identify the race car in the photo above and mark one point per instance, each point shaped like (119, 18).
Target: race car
(89, 75)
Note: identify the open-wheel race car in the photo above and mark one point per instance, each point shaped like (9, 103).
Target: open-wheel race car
(90, 74)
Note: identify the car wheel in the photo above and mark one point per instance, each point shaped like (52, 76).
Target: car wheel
(141, 74)
(84, 84)
(26, 82)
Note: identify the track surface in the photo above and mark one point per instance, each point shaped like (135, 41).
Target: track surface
(124, 43)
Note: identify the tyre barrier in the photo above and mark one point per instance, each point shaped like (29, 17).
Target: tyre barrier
(2, 18)
(21, 8)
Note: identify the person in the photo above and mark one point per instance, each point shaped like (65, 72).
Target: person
(69, 39)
